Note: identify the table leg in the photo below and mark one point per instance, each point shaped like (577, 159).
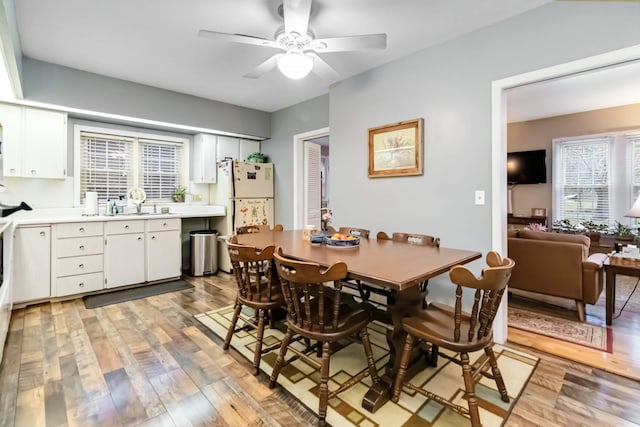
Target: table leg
(399, 305)
(611, 295)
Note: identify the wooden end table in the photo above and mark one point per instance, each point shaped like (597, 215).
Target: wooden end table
(613, 266)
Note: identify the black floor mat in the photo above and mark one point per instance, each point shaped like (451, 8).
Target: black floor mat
(100, 300)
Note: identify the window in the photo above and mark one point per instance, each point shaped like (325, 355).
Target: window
(596, 178)
(113, 161)
(581, 179)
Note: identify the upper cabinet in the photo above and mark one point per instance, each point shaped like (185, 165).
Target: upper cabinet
(34, 142)
(236, 148)
(204, 158)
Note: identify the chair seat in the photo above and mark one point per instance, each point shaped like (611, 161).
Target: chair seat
(435, 324)
(350, 320)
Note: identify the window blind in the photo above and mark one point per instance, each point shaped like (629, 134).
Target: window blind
(161, 168)
(582, 180)
(634, 141)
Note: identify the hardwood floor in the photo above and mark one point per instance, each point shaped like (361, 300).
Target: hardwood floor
(148, 362)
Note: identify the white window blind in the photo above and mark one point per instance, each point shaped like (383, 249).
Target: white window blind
(105, 165)
(582, 180)
(111, 164)
(634, 141)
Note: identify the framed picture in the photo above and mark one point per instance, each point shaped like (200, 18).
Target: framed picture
(538, 212)
(396, 149)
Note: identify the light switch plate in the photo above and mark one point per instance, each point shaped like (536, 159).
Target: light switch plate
(479, 197)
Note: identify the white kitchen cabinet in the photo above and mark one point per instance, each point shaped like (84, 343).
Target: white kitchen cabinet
(236, 148)
(34, 143)
(204, 158)
(78, 258)
(31, 263)
(163, 249)
(124, 253)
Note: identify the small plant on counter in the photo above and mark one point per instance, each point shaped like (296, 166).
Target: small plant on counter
(325, 218)
(179, 193)
(536, 226)
(594, 229)
(565, 226)
(623, 232)
(257, 157)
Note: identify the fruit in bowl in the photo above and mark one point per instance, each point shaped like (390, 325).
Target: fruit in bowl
(343, 240)
(338, 236)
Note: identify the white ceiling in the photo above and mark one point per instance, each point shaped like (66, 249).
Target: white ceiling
(155, 42)
(602, 88)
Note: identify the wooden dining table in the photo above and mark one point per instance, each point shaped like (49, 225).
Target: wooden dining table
(395, 268)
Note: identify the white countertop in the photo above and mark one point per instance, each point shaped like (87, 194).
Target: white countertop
(56, 215)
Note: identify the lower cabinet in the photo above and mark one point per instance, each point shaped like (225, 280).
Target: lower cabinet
(124, 253)
(164, 254)
(32, 263)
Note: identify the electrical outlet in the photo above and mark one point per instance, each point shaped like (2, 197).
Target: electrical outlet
(479, 197)
(197, 197)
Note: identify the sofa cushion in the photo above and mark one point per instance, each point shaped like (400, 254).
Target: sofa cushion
(556, 237)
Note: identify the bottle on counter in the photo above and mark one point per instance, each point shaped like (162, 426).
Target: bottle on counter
(109, 207)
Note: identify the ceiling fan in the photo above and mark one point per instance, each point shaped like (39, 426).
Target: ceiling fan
(300, 45)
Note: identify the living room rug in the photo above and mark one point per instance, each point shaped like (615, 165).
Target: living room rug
(412, 410)
(582, 333)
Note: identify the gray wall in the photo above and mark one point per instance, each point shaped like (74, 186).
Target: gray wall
(67, 87)
(450, 87)
(304, 117)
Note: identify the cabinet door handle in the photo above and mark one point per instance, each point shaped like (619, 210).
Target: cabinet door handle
(42, 233)
(81, 247)
(81, 266)
(12, 170)
(82, 229)
(139, 238)
(126, 227)
(153, 237)
(164, 224)
(81, 284)
(33, 171)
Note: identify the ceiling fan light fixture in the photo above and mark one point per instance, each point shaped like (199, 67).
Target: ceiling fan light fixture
(295, 65)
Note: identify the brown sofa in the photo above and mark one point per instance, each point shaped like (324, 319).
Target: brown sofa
(556, 264)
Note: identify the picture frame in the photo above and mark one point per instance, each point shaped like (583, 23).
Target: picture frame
(539, 212)
(396, 149)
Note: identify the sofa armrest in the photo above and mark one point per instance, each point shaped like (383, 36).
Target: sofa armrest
(593, 278)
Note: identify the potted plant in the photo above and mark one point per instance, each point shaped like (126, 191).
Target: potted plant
(623, 232)
(594, 230)
(257, 157)
(179, 193)
(565, 226)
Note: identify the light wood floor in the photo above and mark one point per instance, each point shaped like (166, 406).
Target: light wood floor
(148, 362)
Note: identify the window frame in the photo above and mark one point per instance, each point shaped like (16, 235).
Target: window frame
(143, 134)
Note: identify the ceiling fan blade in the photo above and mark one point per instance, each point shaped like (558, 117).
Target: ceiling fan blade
(322, 69)
(238, 38)
(347, 43)
(264, 68)
(296, 16)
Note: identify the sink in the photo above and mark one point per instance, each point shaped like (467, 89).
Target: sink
(142, 214)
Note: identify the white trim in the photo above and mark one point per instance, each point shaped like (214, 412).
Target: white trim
(298, 171)
(499, 145)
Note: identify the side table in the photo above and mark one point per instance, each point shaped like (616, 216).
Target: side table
(613, 266)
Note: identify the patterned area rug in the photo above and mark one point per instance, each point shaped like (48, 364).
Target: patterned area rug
(585, 334)
(412, 410)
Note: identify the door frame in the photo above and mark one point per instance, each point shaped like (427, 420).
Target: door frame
(298, 172)
(499, 144)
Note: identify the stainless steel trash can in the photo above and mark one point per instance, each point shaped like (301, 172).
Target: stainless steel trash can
(204, 252)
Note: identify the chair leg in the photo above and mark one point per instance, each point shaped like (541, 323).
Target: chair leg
(324, 383)
(257, 351)
(402, 370)
(236, 312)
(581, 310)
(280, 360)
(497, 376)
(366, 343)
(470, 390)
(433, 356)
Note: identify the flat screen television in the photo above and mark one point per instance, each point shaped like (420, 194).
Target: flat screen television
(527, 167)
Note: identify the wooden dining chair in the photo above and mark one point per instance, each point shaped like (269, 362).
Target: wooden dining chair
(258, 288)
(315, 311)
(260, 228)
(363, 233)
(413, 238)
(460, 332)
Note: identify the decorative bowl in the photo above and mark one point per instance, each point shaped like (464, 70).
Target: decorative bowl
(317, 238)
(341, 243)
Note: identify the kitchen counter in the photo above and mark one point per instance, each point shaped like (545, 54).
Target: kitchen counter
(47, 216)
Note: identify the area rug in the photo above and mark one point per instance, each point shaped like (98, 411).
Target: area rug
(118, 296)
(582, 333)
(412, 410)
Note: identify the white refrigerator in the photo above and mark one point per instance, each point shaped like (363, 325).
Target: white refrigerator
(246, 191)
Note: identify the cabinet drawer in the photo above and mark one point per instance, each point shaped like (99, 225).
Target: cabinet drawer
(78, 284)
(79, 229)
(80, 246)
(163, 224)
(125, 227)
(79, 265)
